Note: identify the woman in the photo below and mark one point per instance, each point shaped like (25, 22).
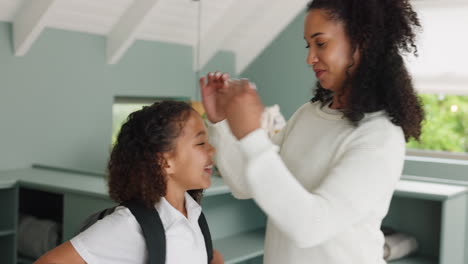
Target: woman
(326, 180)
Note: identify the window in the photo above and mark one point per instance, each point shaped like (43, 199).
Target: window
(445, 127)
(441, 78)
(124, 106)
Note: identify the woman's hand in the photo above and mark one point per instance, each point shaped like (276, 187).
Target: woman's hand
(234, 100)
(214, 95)
(244, 110)
(217, 257)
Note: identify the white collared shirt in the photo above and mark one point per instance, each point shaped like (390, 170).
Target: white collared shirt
(118, 239)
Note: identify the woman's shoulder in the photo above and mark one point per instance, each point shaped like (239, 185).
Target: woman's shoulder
(379, 125)
(308, 106)
(305, 108)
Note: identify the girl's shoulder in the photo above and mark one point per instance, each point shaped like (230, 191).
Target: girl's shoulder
(120, 219)
(117, 235)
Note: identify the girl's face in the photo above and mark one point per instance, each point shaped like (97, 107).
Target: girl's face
(190, 163)
(330, 53)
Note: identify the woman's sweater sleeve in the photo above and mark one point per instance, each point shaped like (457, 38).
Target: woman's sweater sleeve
(365, 174)
(229, 159)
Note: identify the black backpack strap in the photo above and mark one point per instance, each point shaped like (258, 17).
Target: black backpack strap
(206, 234)
(153, 231)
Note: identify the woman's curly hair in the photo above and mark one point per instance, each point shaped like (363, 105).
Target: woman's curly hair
(136, 165)
(382, 30)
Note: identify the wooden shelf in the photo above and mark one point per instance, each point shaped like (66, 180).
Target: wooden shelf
(61, 180)
(7, 182)
(7, 232)
(414, 260)
(428, 190)
(50, 179)
(217, 187)
(241, 247)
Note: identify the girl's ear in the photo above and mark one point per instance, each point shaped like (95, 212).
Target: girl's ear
(168, 164)
(357, 54)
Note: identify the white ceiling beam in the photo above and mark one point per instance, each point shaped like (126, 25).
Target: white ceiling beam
(255, 36)
(29, 23)
(212, 40)
(124, 33)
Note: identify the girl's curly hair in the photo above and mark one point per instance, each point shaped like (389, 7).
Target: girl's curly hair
(136, 165)
(382, 30)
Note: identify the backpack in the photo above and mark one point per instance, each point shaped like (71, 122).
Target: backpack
(152, 228)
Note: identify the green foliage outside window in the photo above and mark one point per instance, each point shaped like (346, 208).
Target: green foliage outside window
(446, 124)
(124, 106)
(445, 127)
(120, 114)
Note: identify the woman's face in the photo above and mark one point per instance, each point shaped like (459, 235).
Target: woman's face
(330, 53)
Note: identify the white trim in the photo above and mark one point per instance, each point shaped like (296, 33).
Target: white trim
(29, 24)
(445, 84)
(123, 34)
(435, 71)
(438, 4)
(437, 156)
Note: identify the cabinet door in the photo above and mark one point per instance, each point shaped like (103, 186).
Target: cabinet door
(453, 230)
(77, 208)
(8, 219)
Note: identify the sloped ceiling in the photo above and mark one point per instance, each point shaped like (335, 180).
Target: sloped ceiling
(244, 27)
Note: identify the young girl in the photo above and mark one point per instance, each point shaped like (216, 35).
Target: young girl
(326, 180)
(161, 158)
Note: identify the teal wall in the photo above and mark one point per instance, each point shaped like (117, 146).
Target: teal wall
(56, 101)
(281, 73)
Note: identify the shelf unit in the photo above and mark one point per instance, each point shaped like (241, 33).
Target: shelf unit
(8, 220)
(434, 213)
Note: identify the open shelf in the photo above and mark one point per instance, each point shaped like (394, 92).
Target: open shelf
(71, 181)
(241, 247)
(25, 260)
(428, 190)
(414, 260)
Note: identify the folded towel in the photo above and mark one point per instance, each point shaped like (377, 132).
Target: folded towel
(398, 245)
(272, 120)
(37, 236)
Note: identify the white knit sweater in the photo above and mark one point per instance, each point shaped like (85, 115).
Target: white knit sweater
(324, 184)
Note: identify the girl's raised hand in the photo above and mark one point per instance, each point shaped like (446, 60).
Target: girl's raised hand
(214, 95)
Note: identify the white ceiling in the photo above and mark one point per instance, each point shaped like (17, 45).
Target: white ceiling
(244, 27)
